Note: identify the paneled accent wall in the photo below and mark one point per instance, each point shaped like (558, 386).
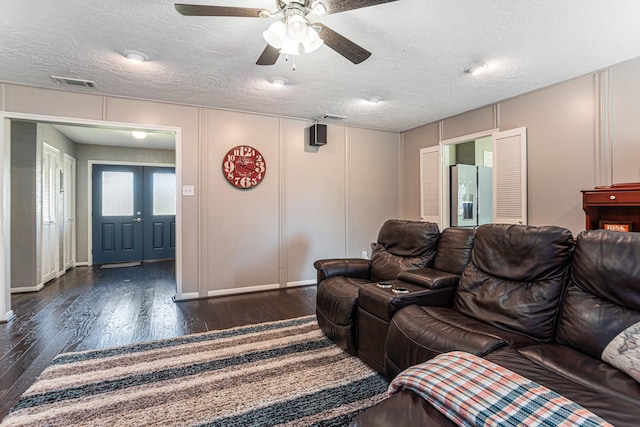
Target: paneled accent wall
(314, 202)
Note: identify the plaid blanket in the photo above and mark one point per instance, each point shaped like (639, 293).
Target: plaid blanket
(472, 391)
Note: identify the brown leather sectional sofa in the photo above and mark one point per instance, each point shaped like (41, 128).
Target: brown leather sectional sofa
(528, 298)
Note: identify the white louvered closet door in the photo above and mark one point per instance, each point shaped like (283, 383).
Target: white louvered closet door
(430, 172)
(510, 176)
(50, 189)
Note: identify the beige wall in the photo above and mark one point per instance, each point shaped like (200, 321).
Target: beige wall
(568, 141)
(625, 123)
(313, 203)
(414, 140)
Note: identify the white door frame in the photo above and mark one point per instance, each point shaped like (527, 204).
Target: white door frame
(68, 198)
(445, 220)
(90, 195)
(5, 220)
(5, 191)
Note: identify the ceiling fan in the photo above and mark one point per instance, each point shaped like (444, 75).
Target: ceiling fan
(293, 33)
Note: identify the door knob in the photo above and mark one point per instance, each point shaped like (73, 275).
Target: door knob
(137, 219)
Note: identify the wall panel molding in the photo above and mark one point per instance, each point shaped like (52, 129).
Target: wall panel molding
(603, 129)
(348, 226)
(282, 207)
(401, 167)
(202, 201)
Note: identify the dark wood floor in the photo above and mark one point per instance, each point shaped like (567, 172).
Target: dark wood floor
(91, 308)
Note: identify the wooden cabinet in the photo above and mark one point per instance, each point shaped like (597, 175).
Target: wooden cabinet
(617, 202)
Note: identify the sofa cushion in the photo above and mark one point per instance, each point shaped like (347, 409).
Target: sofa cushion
(603, 297)
(454, 249)
(404, 408)
(599, 387)
(419, 333)
(402, 245)
(516, 278)
(473, 391)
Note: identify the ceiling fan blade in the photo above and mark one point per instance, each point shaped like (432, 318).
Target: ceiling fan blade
(269, 56)
(342, 45)
(337, 6)
(201, 10)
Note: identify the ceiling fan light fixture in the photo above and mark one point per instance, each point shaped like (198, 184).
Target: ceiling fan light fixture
(297, 28)
(276, 34)
(290, 47)
(312, 42)
(477, 69)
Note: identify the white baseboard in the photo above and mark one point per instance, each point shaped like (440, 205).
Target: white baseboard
(186, 297)
(7, 316)
(301, 283)
(244, 290)
(25, 289)
(81, 264)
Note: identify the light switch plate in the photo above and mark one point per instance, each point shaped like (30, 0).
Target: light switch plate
(188, 190)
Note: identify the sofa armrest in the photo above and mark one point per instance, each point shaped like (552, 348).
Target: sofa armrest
(384, 302)
(358, 268)
(430, 278)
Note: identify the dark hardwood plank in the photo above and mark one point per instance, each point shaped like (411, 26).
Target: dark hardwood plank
(90, 308)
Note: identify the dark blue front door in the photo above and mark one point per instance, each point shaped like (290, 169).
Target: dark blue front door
(117, 213)
(159, 209)
(133, 213)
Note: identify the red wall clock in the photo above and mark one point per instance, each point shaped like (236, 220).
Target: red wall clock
(244, 166)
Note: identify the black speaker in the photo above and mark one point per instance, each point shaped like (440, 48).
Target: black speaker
(318, 135)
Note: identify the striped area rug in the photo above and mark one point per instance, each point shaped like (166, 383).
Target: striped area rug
(282, 373)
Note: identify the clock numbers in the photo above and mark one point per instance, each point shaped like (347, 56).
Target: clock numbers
(244, 167)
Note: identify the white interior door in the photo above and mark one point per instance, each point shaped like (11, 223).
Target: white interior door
(49, 250)
(430, 171)
(69, 212)
(510, 176)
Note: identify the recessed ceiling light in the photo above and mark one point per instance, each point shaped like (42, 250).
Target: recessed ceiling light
(476, 69)
(374, 99)
(135, 56)
(278, 81)
(139, 134)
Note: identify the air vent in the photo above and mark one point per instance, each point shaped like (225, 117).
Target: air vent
(332, 117)
(74, 82)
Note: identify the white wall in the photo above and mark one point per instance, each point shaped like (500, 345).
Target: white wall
(313, 203)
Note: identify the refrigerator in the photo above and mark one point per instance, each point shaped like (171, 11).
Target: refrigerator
(471, 195)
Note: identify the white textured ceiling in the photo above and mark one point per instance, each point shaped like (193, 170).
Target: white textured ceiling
(420, 49)
(117, 137)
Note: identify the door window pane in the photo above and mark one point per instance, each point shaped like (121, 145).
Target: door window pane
(164, 193)
(117, 193)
